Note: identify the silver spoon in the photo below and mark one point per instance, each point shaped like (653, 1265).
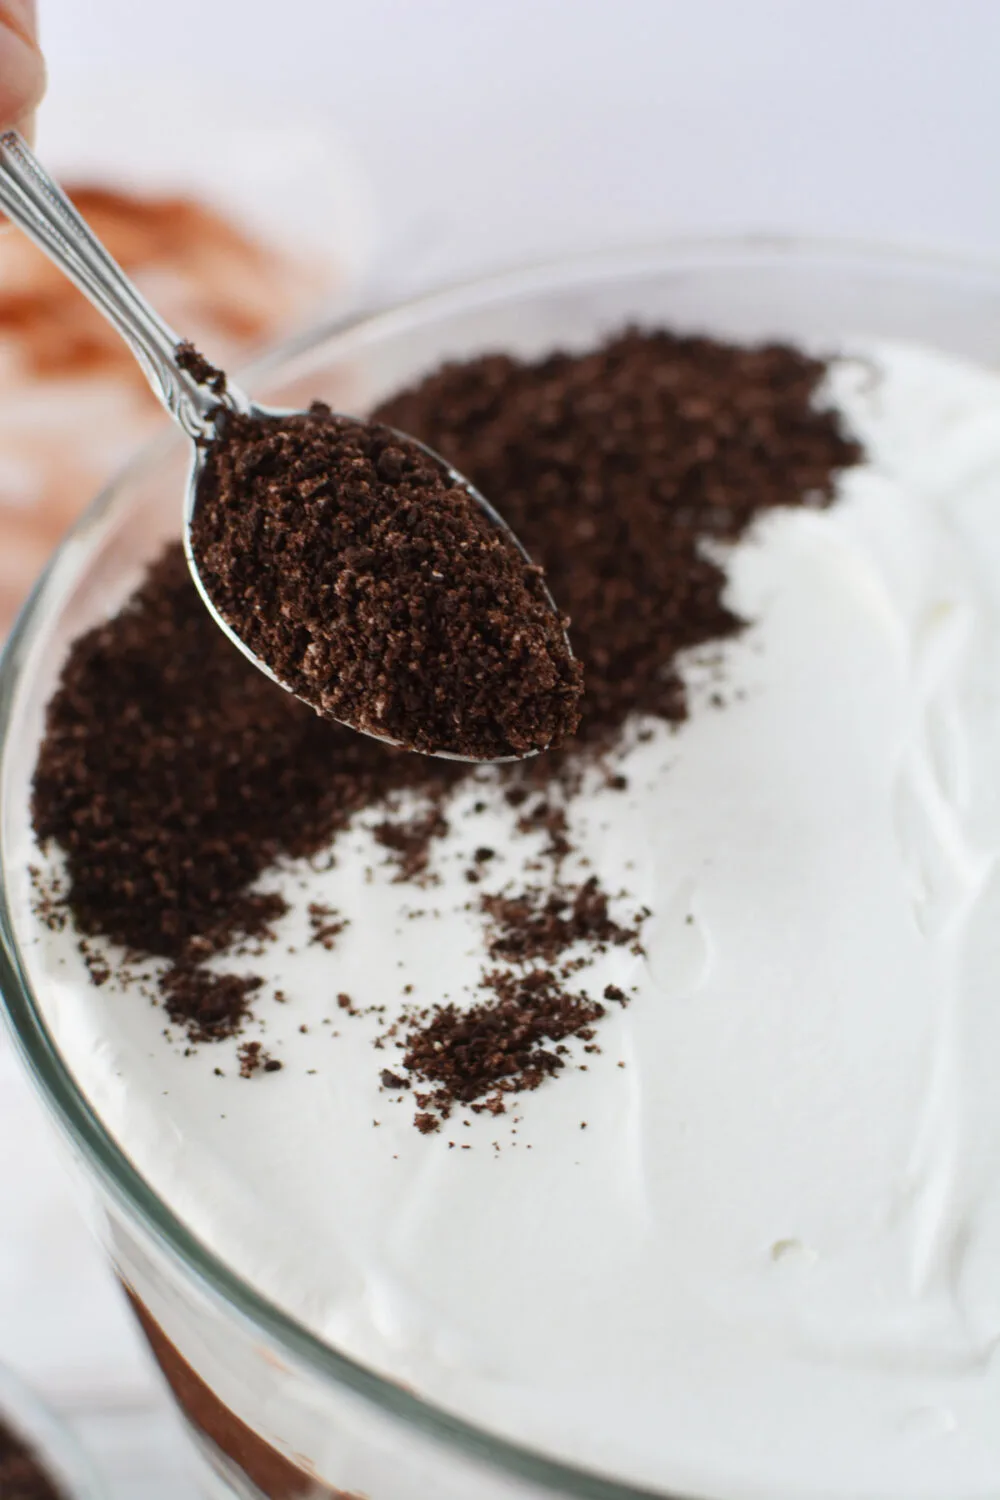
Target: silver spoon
(38, 206)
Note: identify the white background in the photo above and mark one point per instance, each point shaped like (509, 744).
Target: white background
(414, 140)
(492, 129)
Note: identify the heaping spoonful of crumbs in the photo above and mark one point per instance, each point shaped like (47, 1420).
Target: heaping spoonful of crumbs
(349, 562)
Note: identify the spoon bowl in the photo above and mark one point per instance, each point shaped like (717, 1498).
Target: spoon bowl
(240, 402)
(197, 399)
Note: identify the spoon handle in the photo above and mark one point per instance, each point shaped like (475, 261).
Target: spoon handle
(39, 206)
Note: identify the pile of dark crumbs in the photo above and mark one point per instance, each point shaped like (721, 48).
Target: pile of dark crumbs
(173, 775)
(378, 590)
(21, 1474)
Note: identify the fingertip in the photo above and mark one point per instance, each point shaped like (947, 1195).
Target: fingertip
(20, 17)
(22, 72)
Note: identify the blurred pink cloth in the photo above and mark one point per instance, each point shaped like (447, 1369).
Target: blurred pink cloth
(73, 403)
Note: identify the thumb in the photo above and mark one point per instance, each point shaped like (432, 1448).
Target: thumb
(22, 69)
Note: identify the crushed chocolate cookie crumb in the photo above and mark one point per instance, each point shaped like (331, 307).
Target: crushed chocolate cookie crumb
(48, 899)
(479, 1056)
(198, 367)
(253, 1059)
(326, 924)
(613, 467)
(172, 774)
(22, 1476)
(209, 1006)
(375, 587)
(249, 1056)
(410, 841)
(248, 920)
(542, 924)
(96, 963)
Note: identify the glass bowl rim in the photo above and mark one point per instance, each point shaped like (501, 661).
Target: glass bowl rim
(51, 1076)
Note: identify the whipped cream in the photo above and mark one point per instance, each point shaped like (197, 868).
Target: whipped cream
(754, 1247)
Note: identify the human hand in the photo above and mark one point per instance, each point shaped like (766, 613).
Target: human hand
(22, 69)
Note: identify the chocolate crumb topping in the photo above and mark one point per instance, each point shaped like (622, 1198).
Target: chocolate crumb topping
(499, 1047)
(173, 774)
(198, 367)
(253, 1059)
(210, 1006)
(614, 467)
(325, 925)
(542, 924)
(22, 1476)
(376, 588)
(409, 841)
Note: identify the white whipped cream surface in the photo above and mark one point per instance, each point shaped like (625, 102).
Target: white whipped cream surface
(763, 1256)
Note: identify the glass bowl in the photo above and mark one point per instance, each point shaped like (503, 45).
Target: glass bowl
(47, 1439)
(273, 1410)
